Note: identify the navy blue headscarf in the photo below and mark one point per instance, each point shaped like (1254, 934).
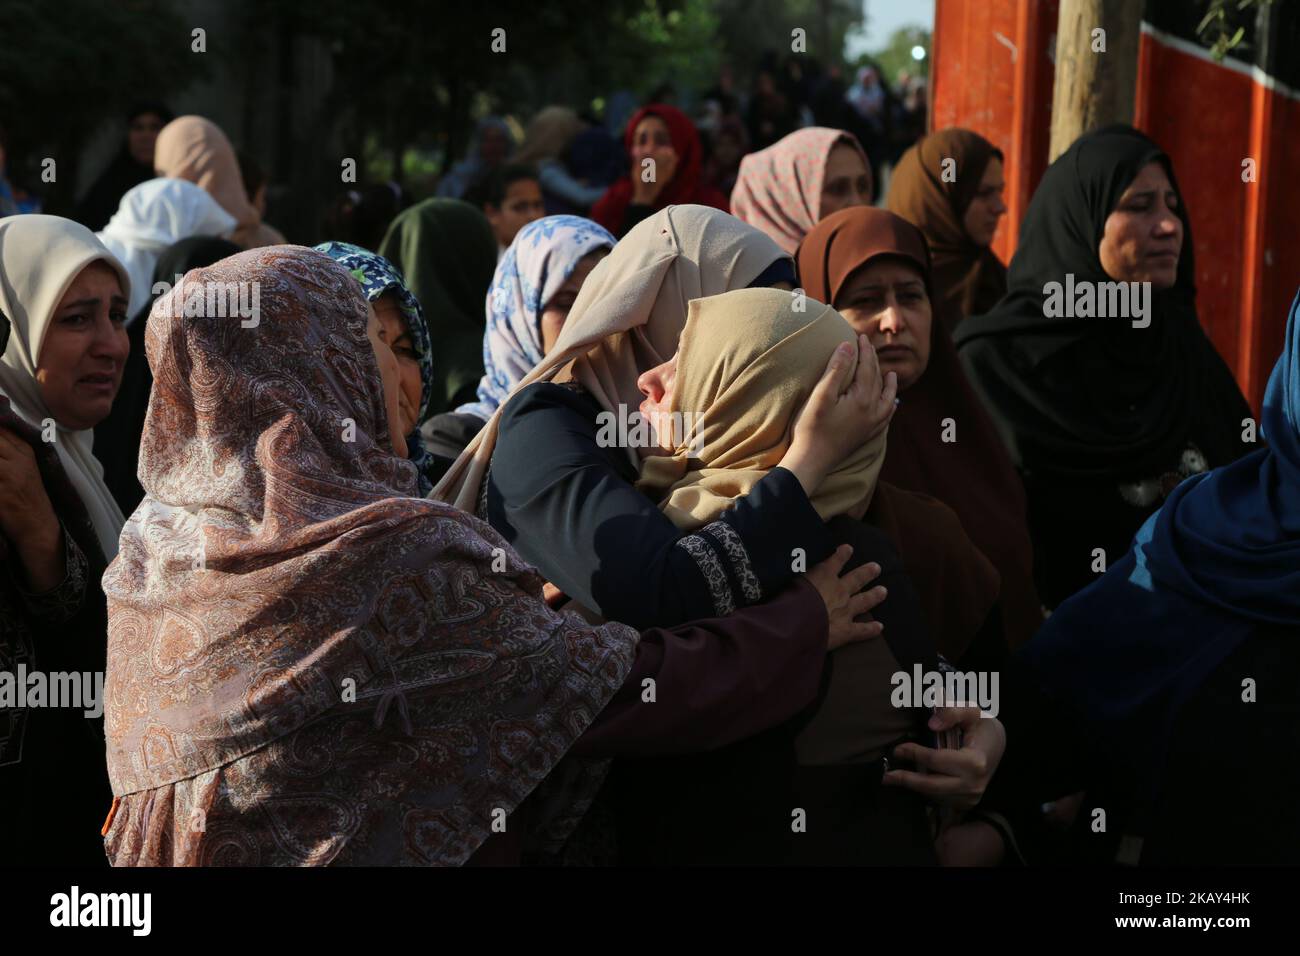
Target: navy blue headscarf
(1219, 561)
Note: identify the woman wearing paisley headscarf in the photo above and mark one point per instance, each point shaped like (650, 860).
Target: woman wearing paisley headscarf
(446, 251)
(389, 681)
(65, 295)
(1103, 416)
(561, 481)
(535, 285)
(798, 181)
(407, 335)
(957, 208)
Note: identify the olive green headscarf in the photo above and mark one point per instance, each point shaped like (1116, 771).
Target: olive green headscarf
(447, 253)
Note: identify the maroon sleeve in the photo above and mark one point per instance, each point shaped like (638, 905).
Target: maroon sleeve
(716, 681)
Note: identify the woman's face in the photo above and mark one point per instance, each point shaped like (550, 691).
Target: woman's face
(80, 362)
(656, 385)
(493, 146)
(887, 302)
(402, 344)
(1144, 236)
(984, 211)
(650, 140)
(391, 376)
(847, 182)
(141, 135)
(557, 309)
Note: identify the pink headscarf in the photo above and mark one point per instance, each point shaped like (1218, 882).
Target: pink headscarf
(277, 560)
(196, 149)
(779, 189)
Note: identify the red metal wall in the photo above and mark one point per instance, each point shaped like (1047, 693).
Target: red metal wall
(993, 73)
(1209, 117)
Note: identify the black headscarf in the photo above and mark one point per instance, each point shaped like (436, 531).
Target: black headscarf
(1097, 398)
(117, 437)
(102, 198)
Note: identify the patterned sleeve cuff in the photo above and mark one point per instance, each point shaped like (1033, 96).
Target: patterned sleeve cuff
(720, 555)
(64, 600)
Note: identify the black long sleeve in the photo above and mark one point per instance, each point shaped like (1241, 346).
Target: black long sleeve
(569, 506)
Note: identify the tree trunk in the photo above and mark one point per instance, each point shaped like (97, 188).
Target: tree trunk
(1093, 88)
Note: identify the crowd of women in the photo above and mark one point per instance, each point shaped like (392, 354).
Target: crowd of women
(373, 579)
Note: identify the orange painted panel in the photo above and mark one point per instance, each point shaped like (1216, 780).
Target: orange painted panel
(993, 73)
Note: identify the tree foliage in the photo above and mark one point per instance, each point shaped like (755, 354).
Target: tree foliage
(65, 67)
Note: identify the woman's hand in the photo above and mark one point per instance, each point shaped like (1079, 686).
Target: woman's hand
(845, 598)
(957, 778)
(26, 516)
(850, 406)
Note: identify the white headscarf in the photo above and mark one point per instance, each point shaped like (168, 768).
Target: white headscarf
(153, 216)
(40, 256)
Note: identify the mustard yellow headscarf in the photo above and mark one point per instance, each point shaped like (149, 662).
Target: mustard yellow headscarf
(747, 362)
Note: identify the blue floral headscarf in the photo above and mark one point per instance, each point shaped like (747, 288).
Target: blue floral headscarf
(540, 260)
(377, 275)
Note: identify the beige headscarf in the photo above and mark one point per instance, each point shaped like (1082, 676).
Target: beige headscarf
(549, 133)
(194, 148)
(629, 316)
(748, 361)
(40, 256)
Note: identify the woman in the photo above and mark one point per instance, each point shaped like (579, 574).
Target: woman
(117, 437)
(407, 336)
(154, 216)
(560, 487)
(746, 362)
(792, 185)
(295, 493)
(666, 159)
(492, 145)
(873, 267)
(65, 296)
(533, 290)
(564, 462)
(546, 143)
(194, 148)
(447, 253)
(1175, 671)
(1102, 416)
(950, 186)
(14, 200)
(132, 165)
(729, 144)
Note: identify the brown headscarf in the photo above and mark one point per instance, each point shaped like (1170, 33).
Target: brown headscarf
(195, 149)
(279, 560)
(969, 278)
(973, 474)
